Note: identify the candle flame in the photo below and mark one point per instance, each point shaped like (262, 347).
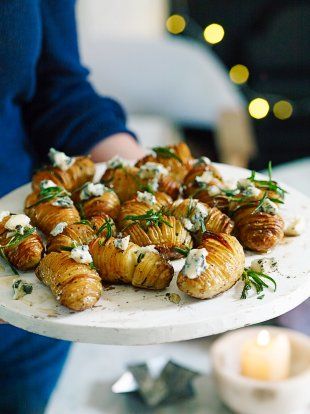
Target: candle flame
(263, 338)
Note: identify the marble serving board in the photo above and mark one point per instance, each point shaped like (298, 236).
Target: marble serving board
(128, 316)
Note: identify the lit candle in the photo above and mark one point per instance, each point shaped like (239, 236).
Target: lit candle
(266, 357)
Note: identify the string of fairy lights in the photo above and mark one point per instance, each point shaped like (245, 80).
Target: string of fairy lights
(260, 106)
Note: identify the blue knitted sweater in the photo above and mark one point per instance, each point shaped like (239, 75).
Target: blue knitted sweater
(45, 98)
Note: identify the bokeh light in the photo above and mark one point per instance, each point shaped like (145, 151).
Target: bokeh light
(258, 108)
(175, 24)
(239, 74)
(214, 33)
(282, 110)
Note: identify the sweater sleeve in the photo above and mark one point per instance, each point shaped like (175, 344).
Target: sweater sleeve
(66, 112)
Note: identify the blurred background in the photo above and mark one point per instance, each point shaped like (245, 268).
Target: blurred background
(231, 77)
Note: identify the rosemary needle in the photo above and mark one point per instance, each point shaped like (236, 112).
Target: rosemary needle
(255, 280)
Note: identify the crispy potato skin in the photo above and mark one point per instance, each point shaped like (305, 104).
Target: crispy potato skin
(164, 237)
(226, 263)
(124, 181)
(78, 233)
(45, 216)
(258, 231)
(108, 203)
(117, 266)
(27, 254)
(216, 221)
(80, 172)
(75, 285)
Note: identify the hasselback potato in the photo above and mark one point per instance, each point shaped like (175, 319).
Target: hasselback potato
(46, 213)
(205, 277)
(198, 217)
(79, 172)
(133, 265)
(204, 182)
(176, 158)
(95, 200)
(257, 230)
(76, 285)
(22, 247)
(124, 181)
(151, 226)
(81, 233)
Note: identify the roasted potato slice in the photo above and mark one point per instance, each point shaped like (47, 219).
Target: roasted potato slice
(124, 181)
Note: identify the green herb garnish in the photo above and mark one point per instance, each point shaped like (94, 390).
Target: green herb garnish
(268, 185)
(140, 257)
(108, 226)
(151, 217)
(255, 280)
(166, 152)
(17, 238)
(184, 252)
(86, 222)
(50, 193)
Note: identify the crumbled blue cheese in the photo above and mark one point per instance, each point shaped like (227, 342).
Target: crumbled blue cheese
(146, 197)
(4, 214)
(152, 169)
(294, 225)
(198, 215)
(60, 159)
(47, 184)
(187, 224)
(18, 222)
(123, 243)
(265, 265)
(117, 162)
(62, 202)
(205, 178)
(247, 188)
(59, 228)
(195, 263)
(269, 207)
(81, 254)
(21, 288)
(147, 249)
(92, 190)
(214, 190)
(203, 160)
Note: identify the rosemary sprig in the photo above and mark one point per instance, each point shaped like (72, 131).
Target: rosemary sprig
(17, 238)
(166, 152)
(140, 257)
(81, 210)
(151, 217)
(255, 280)
(50, 193)
(108, 226)
(184, 252)
(269, 185)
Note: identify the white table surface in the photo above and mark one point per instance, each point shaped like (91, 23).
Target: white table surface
(85, 386)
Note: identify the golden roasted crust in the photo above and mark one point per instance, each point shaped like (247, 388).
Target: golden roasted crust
(75, 285)
(149, 271)
(107, 203)
(257, 231)
(226, 263)
(81, 171)
(79, 233)
(216, 221)
(27, 254)
(45, 216)
(124, 181)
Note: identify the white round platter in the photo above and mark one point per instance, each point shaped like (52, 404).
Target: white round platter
(128, 316)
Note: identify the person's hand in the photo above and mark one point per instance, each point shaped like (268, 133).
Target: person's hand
(119, 144)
